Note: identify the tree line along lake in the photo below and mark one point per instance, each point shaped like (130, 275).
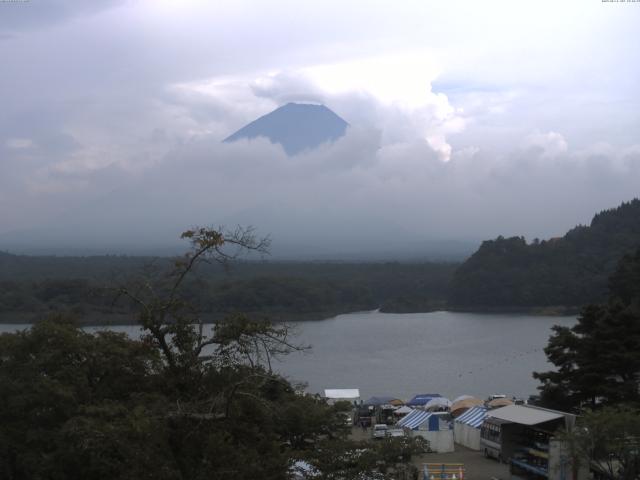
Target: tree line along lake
(450, 353)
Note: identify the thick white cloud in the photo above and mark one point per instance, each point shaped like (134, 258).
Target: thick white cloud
(357, 195)
(533, 105)
(390, 93)
(550, 144)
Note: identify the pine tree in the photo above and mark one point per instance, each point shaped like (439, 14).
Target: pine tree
(598, 360)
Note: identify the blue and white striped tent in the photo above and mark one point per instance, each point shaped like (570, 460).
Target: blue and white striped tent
(466, 428)
(419, 417)
(473, 417)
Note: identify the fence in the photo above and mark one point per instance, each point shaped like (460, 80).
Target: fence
(443, 471)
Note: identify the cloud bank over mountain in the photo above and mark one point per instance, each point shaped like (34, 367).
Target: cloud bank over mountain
(355, 195)
(506, 121)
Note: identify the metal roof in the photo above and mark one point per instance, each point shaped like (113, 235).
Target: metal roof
(342, 393)
(473, 417)
(525, 415)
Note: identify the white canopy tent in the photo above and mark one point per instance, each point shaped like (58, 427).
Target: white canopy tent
(404, 410)
(338, 394)
(437, 403)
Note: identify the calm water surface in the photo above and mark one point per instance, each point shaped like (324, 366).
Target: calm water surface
(404, 354)
(439, 352)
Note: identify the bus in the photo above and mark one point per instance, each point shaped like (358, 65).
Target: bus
(491, 438)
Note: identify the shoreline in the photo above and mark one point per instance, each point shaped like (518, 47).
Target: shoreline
(547, 311)
(118, 319)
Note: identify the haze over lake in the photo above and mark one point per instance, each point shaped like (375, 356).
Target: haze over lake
(403, 354)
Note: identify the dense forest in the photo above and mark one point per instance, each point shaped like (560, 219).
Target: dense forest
(559, 275)
(567, 272)
(32, 286)
(597, 360)
(176, 403)
(596, 375)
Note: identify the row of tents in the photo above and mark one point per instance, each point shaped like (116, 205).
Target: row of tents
(436, 402)
(429, 415)
(526, 436)
(442, 430)
(435, 418)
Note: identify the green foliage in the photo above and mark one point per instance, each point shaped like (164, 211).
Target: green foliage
(609, 439)
(180, 403)
(290, 290)
(624, 284)
(570, 271)
(598, 360)
(79, 405)
(64, 392)
(350, 460)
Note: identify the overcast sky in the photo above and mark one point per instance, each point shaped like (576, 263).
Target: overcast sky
(469, 119)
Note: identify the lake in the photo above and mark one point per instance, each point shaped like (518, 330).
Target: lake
(403, 354)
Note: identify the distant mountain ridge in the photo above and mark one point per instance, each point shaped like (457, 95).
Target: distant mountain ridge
(295, 126)
(570, 271)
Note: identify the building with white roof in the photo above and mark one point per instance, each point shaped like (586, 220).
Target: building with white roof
(528, 438)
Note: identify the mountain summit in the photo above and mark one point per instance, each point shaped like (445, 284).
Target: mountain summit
(295, 126)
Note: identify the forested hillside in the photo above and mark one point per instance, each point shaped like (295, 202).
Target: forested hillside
(570, 271)
(31, 286)
(559, 274)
